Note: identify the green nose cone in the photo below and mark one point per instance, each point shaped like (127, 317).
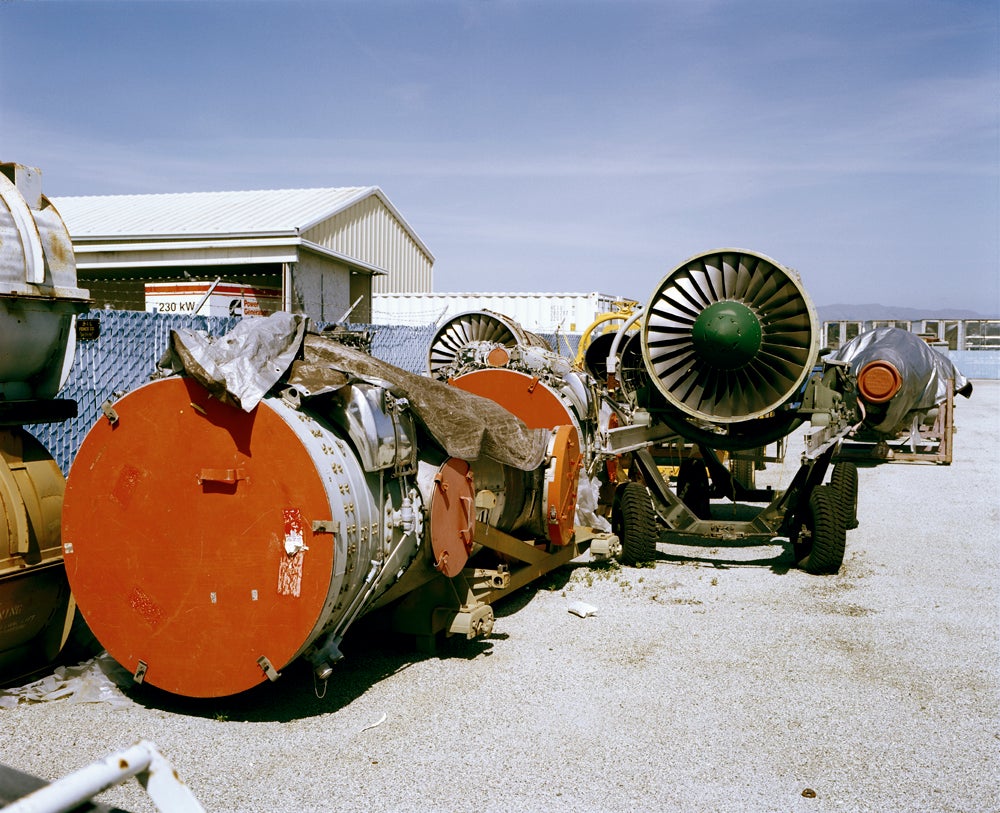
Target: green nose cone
(727, 335)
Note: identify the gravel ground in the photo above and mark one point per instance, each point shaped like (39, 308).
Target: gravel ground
(717, 680)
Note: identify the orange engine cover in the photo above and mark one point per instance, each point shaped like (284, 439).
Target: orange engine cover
(189, 537)
(453, 516)
(531, 400)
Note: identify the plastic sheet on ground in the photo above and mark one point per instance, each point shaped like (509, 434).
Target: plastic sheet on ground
(582, 609)
(587, 498)
(95, 681)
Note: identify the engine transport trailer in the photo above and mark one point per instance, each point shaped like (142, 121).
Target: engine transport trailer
(708, 381)
(270, 487)
(251, 503)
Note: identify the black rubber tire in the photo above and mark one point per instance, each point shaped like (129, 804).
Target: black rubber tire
(635, 524)
(844, 482)
(692, 487)
(744, 472)
(820, 541)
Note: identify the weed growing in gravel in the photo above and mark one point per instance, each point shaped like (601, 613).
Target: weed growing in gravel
(606, 566)
(608, 570)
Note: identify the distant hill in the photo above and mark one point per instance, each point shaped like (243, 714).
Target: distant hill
(866, 313)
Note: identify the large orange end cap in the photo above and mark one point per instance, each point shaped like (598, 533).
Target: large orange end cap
(879, 381)
(522, 395)
(187, 532)
(561, 480)
(453, 516)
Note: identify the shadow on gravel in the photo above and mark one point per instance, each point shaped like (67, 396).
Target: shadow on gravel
(553, 581)
(371, 654)
(779, 564)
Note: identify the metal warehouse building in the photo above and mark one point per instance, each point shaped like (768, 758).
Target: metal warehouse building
(316, 251)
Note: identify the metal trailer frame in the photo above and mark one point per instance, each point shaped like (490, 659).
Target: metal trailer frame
(932, 445)
(786, 513)
(791, 513)
(462, 605)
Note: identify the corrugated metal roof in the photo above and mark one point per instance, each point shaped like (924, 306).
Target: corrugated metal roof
(266, 211)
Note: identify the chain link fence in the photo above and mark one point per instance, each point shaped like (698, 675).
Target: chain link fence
(130, 343)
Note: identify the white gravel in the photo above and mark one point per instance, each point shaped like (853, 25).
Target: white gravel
(718, 680)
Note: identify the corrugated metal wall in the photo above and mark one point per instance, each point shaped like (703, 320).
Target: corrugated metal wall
(372, 234)
(537, 312)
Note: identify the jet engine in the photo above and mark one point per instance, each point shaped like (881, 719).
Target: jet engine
(491, 355)
(907, 389)
(38, 304)
(724, 360)
(728, 338)
(213, 539)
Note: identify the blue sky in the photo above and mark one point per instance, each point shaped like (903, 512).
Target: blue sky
(551, 145)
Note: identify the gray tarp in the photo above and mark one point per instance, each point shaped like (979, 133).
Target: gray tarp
(925, 372)
(240, 367)
(467, 426)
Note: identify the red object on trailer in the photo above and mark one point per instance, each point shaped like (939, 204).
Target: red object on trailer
(539, 407)
(561, 482)
(453, 516)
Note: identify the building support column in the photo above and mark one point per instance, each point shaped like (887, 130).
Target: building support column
(286, 288)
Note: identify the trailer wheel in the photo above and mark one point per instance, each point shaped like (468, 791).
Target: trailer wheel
(692, 486)
(744, 472)
(819, 541)
(844, 482)
(635, 524)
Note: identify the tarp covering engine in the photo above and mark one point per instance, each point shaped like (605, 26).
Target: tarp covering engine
(314, 485)
(242, 366)
(920, 373)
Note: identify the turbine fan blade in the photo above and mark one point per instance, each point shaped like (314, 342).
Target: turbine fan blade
(729, 336)
(470, 327)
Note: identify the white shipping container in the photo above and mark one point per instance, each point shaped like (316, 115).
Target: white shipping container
(536, 312)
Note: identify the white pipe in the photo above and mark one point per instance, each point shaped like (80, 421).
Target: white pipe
(286, 288)
(613, 352)
(350, 310)
(142, 760)
(208, 293)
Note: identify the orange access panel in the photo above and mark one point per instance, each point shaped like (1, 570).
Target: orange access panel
(188, 542)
